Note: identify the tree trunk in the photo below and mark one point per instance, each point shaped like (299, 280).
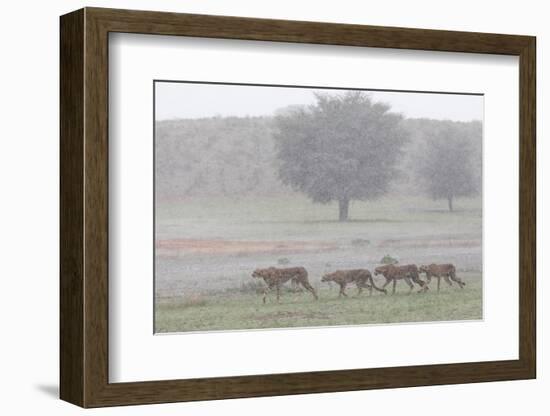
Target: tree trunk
(343, 206)
(450, 201)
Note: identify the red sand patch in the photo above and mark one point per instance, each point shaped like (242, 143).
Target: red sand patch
(232, 247)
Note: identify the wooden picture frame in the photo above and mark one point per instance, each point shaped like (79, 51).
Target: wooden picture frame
(84, 207)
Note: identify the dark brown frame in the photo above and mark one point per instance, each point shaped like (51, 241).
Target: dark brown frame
(84, 207)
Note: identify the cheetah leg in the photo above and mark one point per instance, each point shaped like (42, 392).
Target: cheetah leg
(373, 285)
(428, 278)
(384, 286)
(278, 292)
(438, 283)
(310, 289)
(408, 281)
(266, 291)
(296, 285)
(370, 289)
(448, 280)
(423, 285)
(394, 284)
(457, 279)
(342, 290)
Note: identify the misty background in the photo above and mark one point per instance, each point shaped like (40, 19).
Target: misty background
(217, 139)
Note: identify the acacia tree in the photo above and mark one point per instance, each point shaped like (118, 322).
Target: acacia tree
(450, 163)
(344, 147)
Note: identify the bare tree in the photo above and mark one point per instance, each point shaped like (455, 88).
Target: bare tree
(450, 163)
(343, 148)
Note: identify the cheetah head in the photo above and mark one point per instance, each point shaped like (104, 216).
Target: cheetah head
(257, 273)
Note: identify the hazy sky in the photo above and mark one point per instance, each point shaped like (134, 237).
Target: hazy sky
(184, 100)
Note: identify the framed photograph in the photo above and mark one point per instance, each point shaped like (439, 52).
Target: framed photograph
(254, 207)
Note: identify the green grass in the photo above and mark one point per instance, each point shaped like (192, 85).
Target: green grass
(236, 310)
(209, 291)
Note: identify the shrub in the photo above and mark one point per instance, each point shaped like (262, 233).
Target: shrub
(387, 259)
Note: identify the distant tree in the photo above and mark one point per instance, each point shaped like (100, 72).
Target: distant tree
(345, 147)
(449, 165)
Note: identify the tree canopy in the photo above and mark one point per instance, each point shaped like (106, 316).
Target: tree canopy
(344, 147)
(449, 165)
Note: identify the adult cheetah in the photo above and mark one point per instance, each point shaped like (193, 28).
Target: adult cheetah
(408, 273)
(445, 271)
(275, 277)
(361, 277)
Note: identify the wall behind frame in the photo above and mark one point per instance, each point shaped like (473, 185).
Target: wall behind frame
(29, 210)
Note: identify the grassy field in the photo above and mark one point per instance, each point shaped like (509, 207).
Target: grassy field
(295, 216)
(207, 248)
(245, 310)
